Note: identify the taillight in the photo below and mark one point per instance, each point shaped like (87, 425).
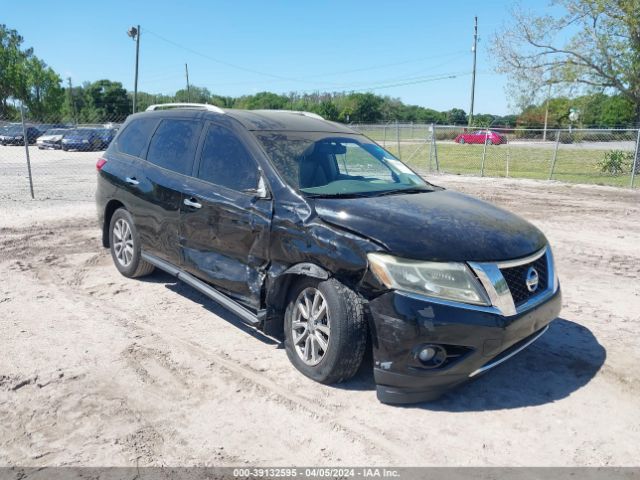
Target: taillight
(100, 163)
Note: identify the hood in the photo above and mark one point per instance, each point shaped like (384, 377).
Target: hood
(440, 226)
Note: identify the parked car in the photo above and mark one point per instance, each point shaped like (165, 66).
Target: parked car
(14, 135)
(310, 231)
(479, 136)
(106, 136)
(82, 139)
(44, 127)
(52, 139)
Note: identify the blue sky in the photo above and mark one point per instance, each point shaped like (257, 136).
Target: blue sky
(242, 47)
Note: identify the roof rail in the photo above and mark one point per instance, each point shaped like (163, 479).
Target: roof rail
(202, 106)
(295, 112)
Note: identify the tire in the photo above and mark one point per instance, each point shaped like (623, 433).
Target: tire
(344, 330)
(128, 261)
(461, 141)
(489, 142)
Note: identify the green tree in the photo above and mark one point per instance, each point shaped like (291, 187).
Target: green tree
(602, 52)
(263, 100)
(12, 69)
(105, 101)
(43, 95)
(194, 95)
(456, 116)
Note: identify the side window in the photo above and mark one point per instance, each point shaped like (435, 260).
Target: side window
(134, 137)
(225, 161)
(173, 146)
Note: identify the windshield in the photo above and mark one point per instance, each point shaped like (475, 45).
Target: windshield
(319, 164)
(56, 131)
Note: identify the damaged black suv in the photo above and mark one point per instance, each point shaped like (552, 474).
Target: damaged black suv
(312, 232)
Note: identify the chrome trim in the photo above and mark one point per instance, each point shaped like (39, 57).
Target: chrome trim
(491, 365)
(521, 261)
(496, 286)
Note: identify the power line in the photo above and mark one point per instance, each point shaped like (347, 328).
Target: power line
(222, 62)
(302, 80)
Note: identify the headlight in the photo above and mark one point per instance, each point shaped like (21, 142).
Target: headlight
(447, 280)
(85, 141)
(18, 137)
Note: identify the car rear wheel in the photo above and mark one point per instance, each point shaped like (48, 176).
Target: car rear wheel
(124, 243)
(461, 141)
(489, 142)
(325, 330)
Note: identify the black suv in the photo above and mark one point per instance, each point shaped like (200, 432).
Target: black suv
(315, 234)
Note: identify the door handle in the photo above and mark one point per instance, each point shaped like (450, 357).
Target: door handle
(192, 202)
(132, 180)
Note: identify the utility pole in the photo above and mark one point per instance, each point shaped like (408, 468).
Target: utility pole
(71, 100)
(186, 69)
(134, 33)
(473, 75)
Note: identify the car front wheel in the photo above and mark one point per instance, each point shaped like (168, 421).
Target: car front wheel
(325, 330)
(461, 141)
(124, 243)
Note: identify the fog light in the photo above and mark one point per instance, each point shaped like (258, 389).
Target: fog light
(432, 356)
(427, 354)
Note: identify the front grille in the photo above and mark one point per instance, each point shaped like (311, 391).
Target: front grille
(516, 280)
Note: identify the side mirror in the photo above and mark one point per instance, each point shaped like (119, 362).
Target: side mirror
(261, 191)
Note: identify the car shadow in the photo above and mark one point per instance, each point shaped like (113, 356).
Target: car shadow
(562, 361)
(172, 283)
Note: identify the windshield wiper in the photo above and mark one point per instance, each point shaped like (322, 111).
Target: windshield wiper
(403, 190)
(338, 195)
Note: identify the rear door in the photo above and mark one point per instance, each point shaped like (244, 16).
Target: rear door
(224, 223)
(169, 161)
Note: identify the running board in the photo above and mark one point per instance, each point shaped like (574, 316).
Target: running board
(228, 303)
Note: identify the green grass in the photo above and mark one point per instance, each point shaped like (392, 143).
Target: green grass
(572, 164)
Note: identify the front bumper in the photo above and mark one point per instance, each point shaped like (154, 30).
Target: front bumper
(478, 339)
(76, 146)
(50, 145)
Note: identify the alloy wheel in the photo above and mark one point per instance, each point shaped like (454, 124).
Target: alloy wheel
(310, 326)
(123, 242)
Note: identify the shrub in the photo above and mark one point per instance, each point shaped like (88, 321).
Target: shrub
(616, 162)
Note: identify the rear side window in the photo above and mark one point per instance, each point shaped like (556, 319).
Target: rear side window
(226, 162)
(173, 146)
(134, 137)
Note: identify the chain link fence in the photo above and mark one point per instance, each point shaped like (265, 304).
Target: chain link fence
(59, 159)
(598, 156)
(49, 159)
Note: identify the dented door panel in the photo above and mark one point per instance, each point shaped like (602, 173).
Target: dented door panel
(225, 241)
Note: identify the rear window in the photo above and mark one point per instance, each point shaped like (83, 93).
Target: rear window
(134, 137)
(173, 146)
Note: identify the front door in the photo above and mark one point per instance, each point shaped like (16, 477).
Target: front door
(224, 222)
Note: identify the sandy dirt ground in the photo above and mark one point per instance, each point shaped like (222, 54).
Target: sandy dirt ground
(100, 370)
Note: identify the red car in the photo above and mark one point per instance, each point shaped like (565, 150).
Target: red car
(479, 136)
